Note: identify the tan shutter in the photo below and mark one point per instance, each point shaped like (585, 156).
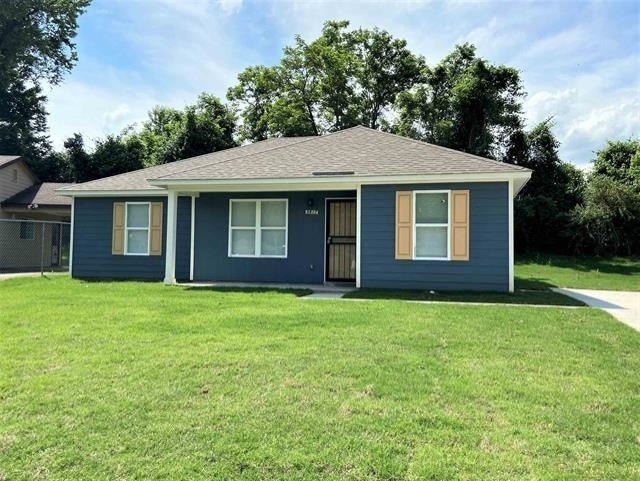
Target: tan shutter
(155, 247)
(460, 225)
(404, 225)
(117, 239)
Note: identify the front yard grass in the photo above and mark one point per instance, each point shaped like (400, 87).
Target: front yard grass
(542, 271)
(130, 380)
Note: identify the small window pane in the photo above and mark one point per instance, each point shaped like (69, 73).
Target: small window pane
(274, 213)
(26, 230)
(243, 214)
(243, 242)
(432, 208)
(137, 241)
(431, 242)
(137, 215)
(272, 242)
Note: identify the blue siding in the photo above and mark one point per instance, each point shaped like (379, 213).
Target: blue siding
(305, 259)
(488, 265)
(92, 258)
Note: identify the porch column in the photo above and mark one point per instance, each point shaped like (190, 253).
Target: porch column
(511, 247)
(358, 231)
(172, 223)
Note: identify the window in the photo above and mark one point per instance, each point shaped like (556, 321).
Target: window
(136, 238)
(258, 228)
(431, 225)
(26, 231)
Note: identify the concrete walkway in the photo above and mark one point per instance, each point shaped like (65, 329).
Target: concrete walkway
(13, 275)
(623, 305)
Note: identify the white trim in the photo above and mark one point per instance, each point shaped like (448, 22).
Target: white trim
(447, 225)
(73, 203)
(511, 246)
(326, 215)
(257, 228)
(352, 179)
(303, 183)
(172, 223)
(112, 193)
(192, 237)
(127, 229)
(358, 231)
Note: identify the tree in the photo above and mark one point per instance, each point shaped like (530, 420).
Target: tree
(78, 158)
(36, 45)
(464, 103)
(619, 160)
(341, 79)
(116, 154)
(608, 222)
(170, 134)
(542, 211)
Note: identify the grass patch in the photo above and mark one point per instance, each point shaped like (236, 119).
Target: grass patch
(548, 298)
(142, 381)
(542, 271)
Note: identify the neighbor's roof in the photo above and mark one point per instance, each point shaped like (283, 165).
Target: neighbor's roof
(42, 194)
(6, 160)
(358, 151)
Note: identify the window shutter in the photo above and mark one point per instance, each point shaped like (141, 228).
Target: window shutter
(155, 235)
(117, 238)
(460, 225)
(404, 225)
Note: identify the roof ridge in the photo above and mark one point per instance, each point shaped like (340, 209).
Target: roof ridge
(303, 139)
(448, 149)
(171, 163)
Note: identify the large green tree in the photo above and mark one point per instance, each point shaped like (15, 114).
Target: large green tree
(341, 79)
(36, 46)
(620, 161)
(172, 134)
(542, 210)
(465, 103)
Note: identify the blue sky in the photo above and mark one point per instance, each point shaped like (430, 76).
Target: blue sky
(580, 60)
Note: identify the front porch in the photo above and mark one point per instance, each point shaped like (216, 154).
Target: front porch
(254, 238)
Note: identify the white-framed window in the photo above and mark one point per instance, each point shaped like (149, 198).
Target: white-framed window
(137, 219)
(258, 227)
(431, 225)
(27, 231)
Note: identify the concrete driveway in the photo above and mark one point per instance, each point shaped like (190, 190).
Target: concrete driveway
(623, 305)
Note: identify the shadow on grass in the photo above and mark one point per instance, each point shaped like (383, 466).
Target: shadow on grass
(538, 297)
(250, 290)
(608, 265)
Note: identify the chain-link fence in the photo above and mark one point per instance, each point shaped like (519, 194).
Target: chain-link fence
(34, 246)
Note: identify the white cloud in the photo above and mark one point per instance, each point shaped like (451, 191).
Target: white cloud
(230, 6)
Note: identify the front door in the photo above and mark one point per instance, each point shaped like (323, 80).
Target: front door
(341, 240)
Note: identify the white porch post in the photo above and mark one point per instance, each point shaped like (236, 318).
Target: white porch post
(193, 236)
(358, 231)
(511, 247)
(172, 222)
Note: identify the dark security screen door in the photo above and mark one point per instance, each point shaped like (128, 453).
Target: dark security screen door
(341, 240)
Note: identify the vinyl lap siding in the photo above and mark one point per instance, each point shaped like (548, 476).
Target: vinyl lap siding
(306, 242)
(92, 258)
(488, 267)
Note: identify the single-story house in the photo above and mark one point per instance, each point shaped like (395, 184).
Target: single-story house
(360, 206)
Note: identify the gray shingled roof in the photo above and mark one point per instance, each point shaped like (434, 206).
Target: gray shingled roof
(359, 150)
(137, 180)
(8, 160)
(42, 194)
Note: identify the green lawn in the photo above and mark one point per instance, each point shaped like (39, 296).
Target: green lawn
(542, 271)
(141, 381)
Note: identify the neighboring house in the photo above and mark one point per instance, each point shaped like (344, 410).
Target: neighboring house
(23, 196)
(23, 200)
(359, 206)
